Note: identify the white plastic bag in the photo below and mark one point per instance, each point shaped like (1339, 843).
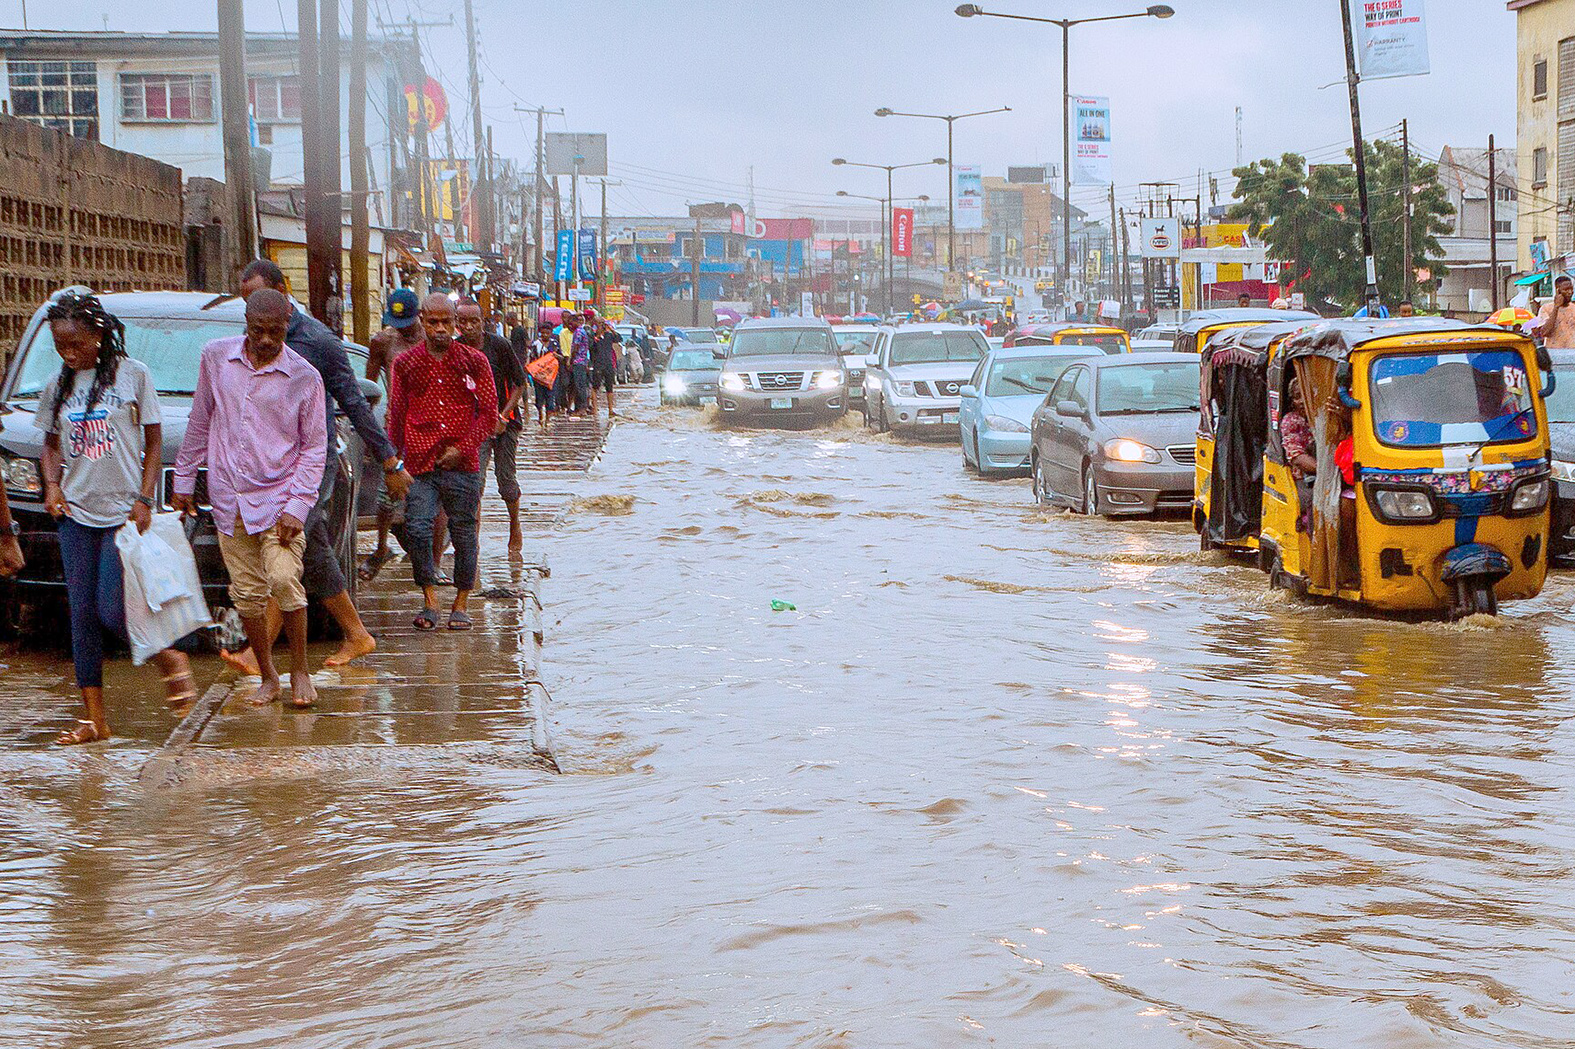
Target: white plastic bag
(164, 599)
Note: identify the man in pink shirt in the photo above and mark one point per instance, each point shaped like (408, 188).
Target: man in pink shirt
(259, 424)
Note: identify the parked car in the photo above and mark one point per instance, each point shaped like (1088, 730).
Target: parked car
(1116, 435)
(855, 342)
(698, 336)
(631, 358)
(916, 375)
(998, 404)
(166, 331)
(1561, 431)
(690, 376)
(781, 369)
(1165, 333)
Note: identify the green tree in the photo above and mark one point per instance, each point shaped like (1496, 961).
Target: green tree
(1311, 219)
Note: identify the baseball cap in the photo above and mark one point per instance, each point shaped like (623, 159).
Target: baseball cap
(403, 309)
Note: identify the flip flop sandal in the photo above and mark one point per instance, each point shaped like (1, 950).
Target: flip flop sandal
(427, 620)
(374, 564)
(180, 699)
(442, 579)
(85, 732)
(459, 621)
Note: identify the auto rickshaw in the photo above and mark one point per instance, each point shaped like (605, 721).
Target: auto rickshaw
(1431, 488)
(1201, 327)
(1099, 337)
(1233, 427)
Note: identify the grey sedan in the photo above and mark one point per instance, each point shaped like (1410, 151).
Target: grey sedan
(1116, 435)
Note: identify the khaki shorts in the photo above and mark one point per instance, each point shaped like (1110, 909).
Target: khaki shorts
(261, 568)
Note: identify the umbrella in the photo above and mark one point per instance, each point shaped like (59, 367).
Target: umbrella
(727, 320)
(726, 313)
(971, 304)
(1510, 316)
(930, 306)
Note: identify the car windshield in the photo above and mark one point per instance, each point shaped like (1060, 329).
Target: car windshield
(930, 347)
(851, 342)
(171, 347)
(1561, 403)
(787, 342)
(692, 361)
(1018, 376)
(1108, 342)
(1145, 389)
(698, 335)
(1431, 399)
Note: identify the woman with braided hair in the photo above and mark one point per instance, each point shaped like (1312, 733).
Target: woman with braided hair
(102, 440)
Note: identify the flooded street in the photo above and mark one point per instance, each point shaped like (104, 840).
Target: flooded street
(1003, 778)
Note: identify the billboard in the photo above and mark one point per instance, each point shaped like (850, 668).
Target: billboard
(576, 153)
(1090, 140)
(1037, 174)
(563, 266)
(587, 254)
(902, 231)
(1161, 238)
(1390, 38)
(968, 204)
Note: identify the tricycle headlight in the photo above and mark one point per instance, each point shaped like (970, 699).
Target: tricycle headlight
(1402, 504)
(904, 389)
(20, 475)
(732, 382)
(1563, 471)
(1003, 424)
(828, 380)
(1124, 450)
(1531, 495)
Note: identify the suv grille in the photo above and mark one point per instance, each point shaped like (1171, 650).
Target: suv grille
(948, 387)
(1184, 453)
(780, 380)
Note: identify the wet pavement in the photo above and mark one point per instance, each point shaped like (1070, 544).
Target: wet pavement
(1004, 778)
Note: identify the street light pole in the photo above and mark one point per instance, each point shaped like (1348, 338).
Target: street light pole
(888, 206)
(1066, 24)
(890, 270)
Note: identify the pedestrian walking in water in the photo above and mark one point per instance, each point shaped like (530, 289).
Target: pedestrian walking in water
(103, 474)
(508, 381)
(543, 346)
(442, 408)
(581, 361)
(322, 575)
(605, 347)
(401, 331)
(258, 424)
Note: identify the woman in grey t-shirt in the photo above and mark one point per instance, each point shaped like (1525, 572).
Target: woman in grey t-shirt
(102, 439)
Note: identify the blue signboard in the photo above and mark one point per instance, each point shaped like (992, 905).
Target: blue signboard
(587, 254)
(564, 268)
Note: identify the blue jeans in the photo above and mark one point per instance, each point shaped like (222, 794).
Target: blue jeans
(459, 493)
(96, 592)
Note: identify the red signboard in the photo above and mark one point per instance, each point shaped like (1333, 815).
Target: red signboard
(784, 229)
(902, 231)
(738, 221)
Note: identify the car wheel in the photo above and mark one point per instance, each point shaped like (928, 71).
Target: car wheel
(1090, 492)
(1040, 484)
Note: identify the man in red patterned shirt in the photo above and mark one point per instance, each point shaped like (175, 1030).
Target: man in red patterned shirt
(443, 405)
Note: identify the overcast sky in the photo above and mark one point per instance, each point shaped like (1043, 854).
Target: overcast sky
(694, 93)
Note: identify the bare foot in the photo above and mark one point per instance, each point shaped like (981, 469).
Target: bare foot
(266, 693)
(243, 661)
(516, 543)
(353, 648)
(302, 692)
(85, 732)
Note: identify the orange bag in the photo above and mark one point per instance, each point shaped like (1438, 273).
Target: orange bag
(544, 369)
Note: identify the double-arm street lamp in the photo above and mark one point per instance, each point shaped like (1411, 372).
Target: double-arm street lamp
(951, 175)
(885, 221)
(1066, 24)
(886, 204)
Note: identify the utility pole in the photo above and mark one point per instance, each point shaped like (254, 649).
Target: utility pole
(1351, 82)
(541, 182)
(330, 174)
(240, 215)
(1126, 264)
(360, 232)
(1407, 270)
(694, 272)
(606, 251)
(1238, 137)
(312, 150)
(1111, 247)
(480, 202)
(1492, 220)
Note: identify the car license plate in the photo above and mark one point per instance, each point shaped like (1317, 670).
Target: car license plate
(948, 418)
(781, 402)
(706, 398)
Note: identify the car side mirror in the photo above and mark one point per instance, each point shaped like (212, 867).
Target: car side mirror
(719, 353)
(1069, 409)
(371, 391)
(1545, 364)
(968, 390)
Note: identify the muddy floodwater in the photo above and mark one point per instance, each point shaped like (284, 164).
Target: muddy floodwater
(1003, 778)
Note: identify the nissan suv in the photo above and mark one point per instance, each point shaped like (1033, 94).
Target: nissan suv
(916, 374)
(781, 369)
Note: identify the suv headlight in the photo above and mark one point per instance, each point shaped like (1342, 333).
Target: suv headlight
(1563, 471)
(732, 382)
(674, 384)
(903, 389)
(828, 380)
(1125, 450)
(20, 475)
(1005, 425)
(1530, 495)
(1404, 504)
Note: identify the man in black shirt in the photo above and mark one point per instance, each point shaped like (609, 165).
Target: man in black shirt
(508, 376)
(605, 341)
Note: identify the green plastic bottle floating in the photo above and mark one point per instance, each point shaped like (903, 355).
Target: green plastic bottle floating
(783, 606)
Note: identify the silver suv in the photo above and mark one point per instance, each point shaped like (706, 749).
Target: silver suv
(915, 375)
(781, 369)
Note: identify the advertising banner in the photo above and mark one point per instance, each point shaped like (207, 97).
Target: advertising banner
(1090, 141)
(968, 200)
(1390, 38)
(1162, 238)
(564, 267)
(587, 254)
(902, 231)
(576, 153)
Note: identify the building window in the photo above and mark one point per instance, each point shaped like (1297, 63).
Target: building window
(1506, 193)
(1539, 167)
(1504, 227)
(185, 98)
(60, 95)
(265, 134)
(276, 99)
(1539, 78)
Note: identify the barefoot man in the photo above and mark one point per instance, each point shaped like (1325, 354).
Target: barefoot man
(324, 580)
(259, 425)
